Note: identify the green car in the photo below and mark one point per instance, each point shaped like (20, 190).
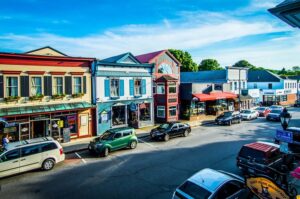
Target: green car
(112, 140)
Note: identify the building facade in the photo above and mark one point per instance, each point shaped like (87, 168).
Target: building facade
(166, 81)
(46, 93)
(123, 93)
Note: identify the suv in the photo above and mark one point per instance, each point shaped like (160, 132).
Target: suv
(30, 154)
(112, 140)
(259, 157)
(229, 117)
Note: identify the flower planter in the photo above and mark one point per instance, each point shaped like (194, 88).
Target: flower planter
(36, 98)
(58, 96)
(77, 95)
(11, 99)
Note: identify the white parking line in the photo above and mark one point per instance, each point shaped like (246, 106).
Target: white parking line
(146, 143)
(83, 160)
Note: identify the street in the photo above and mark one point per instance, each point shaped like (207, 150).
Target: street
(152, 170)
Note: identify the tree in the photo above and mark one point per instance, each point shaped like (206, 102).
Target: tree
(209, 64)
(244, 63)
(296, 68)
(282, 72)
(185, 58)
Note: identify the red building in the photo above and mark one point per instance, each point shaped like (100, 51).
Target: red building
(166, 80)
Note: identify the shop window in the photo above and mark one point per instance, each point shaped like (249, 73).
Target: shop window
(114, 88)
(160, 88)
(145, 112)
(77, 85)
(172, 87)
(137, 87)
(283, 98)
(198, 108)
(11, 86)
(36, 86)
(161, 111)
(57, 85)
(118, 115)
(172, 110)
(270, 86)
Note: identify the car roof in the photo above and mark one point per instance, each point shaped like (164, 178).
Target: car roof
(263, 146)
(210, 179)
(13, 145)
(115, 130)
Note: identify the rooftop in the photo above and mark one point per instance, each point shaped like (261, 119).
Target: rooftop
(262, 76)
(217, 76)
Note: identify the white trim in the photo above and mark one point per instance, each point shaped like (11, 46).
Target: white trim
(63, 84)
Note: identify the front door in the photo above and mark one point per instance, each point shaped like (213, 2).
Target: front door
(24, 131)
(84, 125)
(10, 163)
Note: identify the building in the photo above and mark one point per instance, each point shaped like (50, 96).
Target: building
(273, 89)
(166, 80)
(123, 93)
(46, 93)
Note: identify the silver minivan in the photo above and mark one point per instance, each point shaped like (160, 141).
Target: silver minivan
(31, 154)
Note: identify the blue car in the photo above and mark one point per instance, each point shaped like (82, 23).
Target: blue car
(274, 115)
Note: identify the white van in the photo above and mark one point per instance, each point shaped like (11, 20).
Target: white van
(30, 154)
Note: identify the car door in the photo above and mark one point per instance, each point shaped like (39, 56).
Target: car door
(116, 143)
(10, 163)
(231, 190)
(181, 128)
(31, 158)
(174, 130)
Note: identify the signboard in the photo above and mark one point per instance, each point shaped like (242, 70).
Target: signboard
(284, 136)
(265, 188)
(66, 134)
(104, 117)
(287, 91)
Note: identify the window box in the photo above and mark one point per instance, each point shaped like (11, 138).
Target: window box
(36, 97)
(11, 99)
(58, 96)
(77, 95)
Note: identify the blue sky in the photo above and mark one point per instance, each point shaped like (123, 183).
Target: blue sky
(226, 30)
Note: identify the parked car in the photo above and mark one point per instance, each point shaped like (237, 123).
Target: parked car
(112, 140)
(297, 103)
(209, 183)
(294, 147)
(31, 154)
(171, 129)
(259, 157)
(276, 107)
(274, 115)
(263, 111)
(248, 114)
(229, 117)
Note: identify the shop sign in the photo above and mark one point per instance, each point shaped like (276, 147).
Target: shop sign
(284, 136)
(40, 117)
(269, 92)
(104, 116)
(279, 92)
(133, 107)
(60, 123)
(11, 124)
(265, 188)
(287, 91)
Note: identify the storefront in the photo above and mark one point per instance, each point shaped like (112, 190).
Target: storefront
(278, 97)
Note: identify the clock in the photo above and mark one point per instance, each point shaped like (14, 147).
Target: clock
(165, 69)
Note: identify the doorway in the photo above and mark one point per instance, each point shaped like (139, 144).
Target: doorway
(39, 128)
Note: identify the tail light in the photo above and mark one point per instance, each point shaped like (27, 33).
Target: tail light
(61, 151)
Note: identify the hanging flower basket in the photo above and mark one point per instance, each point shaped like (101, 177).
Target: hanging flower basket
(59, 96)
(77, 95)
(11, 99)
(36, 97)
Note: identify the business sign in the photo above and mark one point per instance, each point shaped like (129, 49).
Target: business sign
(284, 136)
(269, 92)
(279, 92)
(287, 91)
(265, 188)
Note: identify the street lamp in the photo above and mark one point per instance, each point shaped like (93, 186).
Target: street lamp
(285, 117)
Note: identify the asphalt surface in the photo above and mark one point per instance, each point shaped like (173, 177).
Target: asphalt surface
(152, 170)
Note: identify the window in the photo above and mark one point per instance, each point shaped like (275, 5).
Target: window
(172, 110)
(255, 85)
(154, 89)
(114, 88)
(160, 88)
(235, 85)
(193, 190)
(30, 150)
(145, 112)
(172, 87)
(11, 155)
(57, 85)
(127, 133)
(36, 86)
(77, 85)
(48, 147)
(12, 86)
(137, 87)
(161, 111)
(244, 85)
(117, 135)
(270, 86)
(231, 86)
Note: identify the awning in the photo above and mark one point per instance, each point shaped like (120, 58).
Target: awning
(44, 108)
(215, 96)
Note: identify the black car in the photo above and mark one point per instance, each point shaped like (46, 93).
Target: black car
(229, 117)
(297, 103)
(171, 129)
(274, 115)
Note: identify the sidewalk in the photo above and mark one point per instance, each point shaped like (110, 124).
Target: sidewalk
(82, 143)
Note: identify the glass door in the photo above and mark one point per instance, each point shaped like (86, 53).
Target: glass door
(24, 131)
(55, 129)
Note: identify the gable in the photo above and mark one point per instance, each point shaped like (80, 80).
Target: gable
(47, 51)
(128, 59)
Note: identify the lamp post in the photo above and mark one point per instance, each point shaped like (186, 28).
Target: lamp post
(285, 118)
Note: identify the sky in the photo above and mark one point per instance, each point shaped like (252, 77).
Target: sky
(226, 30)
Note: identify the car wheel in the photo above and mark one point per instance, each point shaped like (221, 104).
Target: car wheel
(105, 152)
(133, 144)
(186, 133)
(167, 137)
(48, 164)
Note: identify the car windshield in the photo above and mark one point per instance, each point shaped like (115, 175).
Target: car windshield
(193, 190)
(260, 109)
(246, 111)
(276, 111)
(226, 114)
(165, 126)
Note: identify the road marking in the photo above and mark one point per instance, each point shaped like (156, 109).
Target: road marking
(83, 160)
(146, 143)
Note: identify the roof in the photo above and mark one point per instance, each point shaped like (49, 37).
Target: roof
(46, 47)
(12, 145)
(295, 77)
(148, 57)
(114, 130)
(122, 59)
(210, 179)
(216, 76)
(262, 76)
(263, 146)
(166, 78)
(215, 96)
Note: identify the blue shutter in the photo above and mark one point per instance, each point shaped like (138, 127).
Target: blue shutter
(107, 88)
(121, 87)
(131, 88)
(143, 87)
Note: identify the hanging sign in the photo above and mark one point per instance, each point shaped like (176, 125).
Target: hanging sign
(133, 107)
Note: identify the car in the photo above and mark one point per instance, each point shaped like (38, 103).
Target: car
(258, 158)
(263, 111)
(209, 183)
(248, 114)
(170, 129)
(228, 118)
(297, 103)
(112, 140)
(274, 115)
(31, 154)
(276, 107)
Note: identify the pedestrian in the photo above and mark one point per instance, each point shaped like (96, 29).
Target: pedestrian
(5, 141)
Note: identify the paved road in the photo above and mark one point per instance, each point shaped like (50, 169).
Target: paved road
(153, 170)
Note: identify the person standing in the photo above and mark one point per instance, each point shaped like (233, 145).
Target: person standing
(5, 140)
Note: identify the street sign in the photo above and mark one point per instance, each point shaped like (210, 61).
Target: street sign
(284, 136)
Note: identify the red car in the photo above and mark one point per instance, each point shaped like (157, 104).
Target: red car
(263, 111)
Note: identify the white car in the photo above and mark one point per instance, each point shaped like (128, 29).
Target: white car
(31, 154)
(249, 114)
(209, 183)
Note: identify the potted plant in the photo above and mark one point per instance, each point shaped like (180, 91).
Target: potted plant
(36, 97)
(11, 99)
(76, 95)
(58, 96)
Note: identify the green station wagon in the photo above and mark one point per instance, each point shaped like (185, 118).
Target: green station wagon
(112, 140)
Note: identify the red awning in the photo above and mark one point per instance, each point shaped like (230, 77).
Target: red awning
(215, 96)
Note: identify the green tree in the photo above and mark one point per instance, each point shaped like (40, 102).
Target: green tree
(244, 63)
(185, 58)
(282, 72)
(209, 64)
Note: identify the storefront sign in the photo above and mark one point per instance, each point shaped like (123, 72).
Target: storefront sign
(40, 117)
(11, 124)
(269, 92)
(133, 107)
(287, 91)
(284, 136)
(265, 188)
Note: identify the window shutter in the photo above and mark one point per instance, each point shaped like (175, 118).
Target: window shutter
(121, 87)
(24, 86)
(107, 88)
(143, 87)
(131, 87)
(84, 84)
(1, 87)
(49, 85)
(68, 85)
